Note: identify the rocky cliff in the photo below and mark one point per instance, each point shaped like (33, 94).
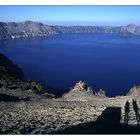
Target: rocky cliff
(134, 91)
(13, 30)
(11, 78)
(82, 92)
(10, 67)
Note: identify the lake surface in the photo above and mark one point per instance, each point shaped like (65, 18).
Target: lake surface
(109, 62)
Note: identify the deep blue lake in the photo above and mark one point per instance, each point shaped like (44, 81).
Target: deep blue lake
(109, 62)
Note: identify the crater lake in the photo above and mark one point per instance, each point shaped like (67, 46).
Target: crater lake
(104, 61)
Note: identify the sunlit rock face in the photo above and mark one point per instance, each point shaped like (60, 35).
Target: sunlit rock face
(82, 86)
(81, 91)
(131, 28)
(101, 93)
(134, 91)
(12, 30)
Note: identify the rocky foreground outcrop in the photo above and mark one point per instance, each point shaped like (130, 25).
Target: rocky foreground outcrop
(12, 30)
(82, 92)
(23, 112)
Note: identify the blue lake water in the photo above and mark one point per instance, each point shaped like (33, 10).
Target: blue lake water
(109, 62)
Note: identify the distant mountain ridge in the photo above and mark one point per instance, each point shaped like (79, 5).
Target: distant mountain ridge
(11, 30)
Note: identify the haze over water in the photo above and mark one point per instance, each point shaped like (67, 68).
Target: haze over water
(103, 61)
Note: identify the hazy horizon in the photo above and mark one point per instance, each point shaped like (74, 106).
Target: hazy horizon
(72, 23)
(73, 15)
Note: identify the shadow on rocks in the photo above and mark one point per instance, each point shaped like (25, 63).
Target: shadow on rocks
(136, 110)
(107, 123)
(9, 98)
(127, 110)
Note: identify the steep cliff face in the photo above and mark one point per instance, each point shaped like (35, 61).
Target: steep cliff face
(4, 34)
(122, 30)
(10, 79)
(13, 30)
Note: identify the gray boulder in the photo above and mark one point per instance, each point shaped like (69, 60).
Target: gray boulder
(101, 93)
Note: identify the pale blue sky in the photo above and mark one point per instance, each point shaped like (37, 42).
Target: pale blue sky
(73, 15)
